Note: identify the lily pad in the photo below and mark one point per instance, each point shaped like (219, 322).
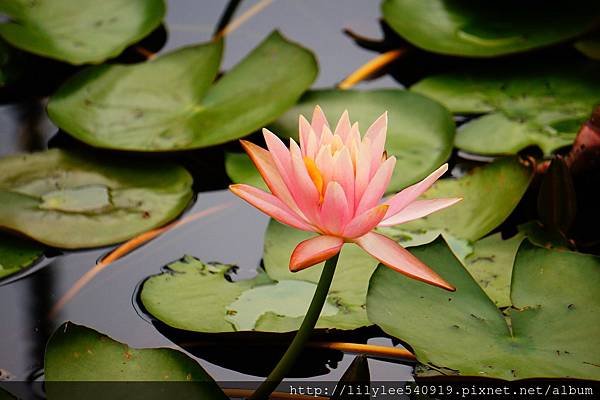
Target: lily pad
(17, 254)
(551, 332)
(490, 193)
(171, 103)
(523, 105)
(491, 263)
(420, 131)
(487, 29)
(86, 31)
(86, 357)
(71, 200)
(189, 288)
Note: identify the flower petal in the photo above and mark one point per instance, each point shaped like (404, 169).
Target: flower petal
(343, 173)
(318, 121)
(362, 168)
(268, 170)
(418, 209)
(377, 186)
(343, 126)
(365, 222)
(270, 205)
(304, 190)
(335, 212)
(377, 133)
(411, 193)
(281, 156)
(314, 250)
(398, 258)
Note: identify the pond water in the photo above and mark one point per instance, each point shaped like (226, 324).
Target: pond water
(233, 235)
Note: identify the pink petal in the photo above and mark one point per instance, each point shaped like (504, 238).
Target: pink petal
(377, 134)
(266, 167)
(304, 191)
(281, 157)
(314, 250)
(335, 212)
(318, 121)
(377, 186)
(408, 195)
(324, 162)
(418, 209)
(343, 126)
(270, 205)
(343, 173)
(396, 257)
(304, 129)
(365, 222)
(362, 168)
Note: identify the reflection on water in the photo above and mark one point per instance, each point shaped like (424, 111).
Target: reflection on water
(233, 236)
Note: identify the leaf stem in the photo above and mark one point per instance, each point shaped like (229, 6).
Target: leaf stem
(232, 5)
(303, 334)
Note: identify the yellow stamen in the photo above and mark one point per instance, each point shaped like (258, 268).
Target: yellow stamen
(315, 175)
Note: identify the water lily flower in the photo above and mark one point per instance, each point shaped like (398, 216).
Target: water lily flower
(333, 184)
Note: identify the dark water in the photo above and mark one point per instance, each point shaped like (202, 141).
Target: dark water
(234, 235)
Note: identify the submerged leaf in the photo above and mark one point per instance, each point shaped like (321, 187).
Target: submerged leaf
(71, 200)
(85, 31)
(550, 332)
(170, 103)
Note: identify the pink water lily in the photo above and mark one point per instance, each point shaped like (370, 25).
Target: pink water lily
(333, 184)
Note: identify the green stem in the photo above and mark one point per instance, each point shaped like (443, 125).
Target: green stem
(310, 319)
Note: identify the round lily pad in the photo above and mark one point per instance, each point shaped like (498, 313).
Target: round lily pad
(488, 29)
(523, 105)
(80, 361)
(420, 131)
(171, 102)
(79, 32)
(490, 193)
(548, 333)
(71, 200)
(17, 254)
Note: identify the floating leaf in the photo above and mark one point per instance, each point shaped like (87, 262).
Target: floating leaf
(170, 103)
(73, 200)
(476, 29)
(82, 359)
(189, 288)
(550, 333)
(491, 263)
(87, 31)
(490, 193)
(542, 105)
(17, 254)
(420, 131)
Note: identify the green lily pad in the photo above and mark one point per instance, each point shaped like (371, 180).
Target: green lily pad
(70, 200)
(420, 131)
(487, 29)
(542, 105)
(79, 354)
(240, 169)
(17, 254)
(490, 193)
(491, 263)
(86, 31)
(552, 332)
(171, 103)
(189, 288)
